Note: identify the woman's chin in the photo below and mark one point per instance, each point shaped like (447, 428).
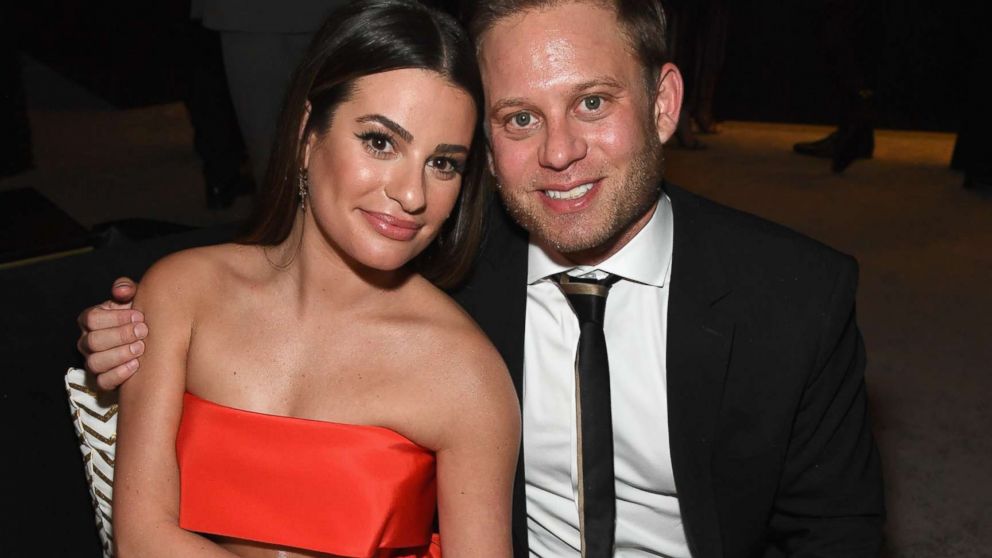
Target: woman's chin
(384, 261)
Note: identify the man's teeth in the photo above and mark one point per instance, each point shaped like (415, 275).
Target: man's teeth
(576, 192)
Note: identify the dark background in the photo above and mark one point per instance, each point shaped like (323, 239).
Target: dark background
(124, 52)
(774, 69)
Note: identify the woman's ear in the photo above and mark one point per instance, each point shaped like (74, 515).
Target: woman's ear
(668, 101)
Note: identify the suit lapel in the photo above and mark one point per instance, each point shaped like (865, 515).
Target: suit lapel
(699, 342)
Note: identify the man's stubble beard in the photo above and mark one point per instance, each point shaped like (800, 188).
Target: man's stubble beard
(618, 208)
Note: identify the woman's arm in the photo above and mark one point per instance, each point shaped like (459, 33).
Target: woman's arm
(146, 484)
(477, 456)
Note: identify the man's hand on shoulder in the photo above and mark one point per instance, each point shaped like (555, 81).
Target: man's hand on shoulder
(111, 336)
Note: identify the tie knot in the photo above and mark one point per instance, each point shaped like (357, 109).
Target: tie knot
(587, 297)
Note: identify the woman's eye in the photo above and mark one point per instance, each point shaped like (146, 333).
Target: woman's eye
(380, 143)
(444, 166)
(377, 143)
(593, 102)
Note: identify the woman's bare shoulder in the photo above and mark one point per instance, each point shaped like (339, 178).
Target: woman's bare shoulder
(463, 359)
(196, 274)
(449, 327)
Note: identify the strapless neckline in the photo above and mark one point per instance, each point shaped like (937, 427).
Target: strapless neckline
(329, 424)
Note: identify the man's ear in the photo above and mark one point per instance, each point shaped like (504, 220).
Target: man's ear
(305, 140)
(668, 101)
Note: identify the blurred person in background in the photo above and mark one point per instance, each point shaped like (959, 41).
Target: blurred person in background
(262, 41)
(698, 40)
(216, 133)
(849, 37)
(973, 149)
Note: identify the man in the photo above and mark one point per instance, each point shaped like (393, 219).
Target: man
(736, 421)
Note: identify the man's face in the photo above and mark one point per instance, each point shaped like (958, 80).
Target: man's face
(576, 137)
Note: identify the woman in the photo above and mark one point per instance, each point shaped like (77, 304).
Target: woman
(310, 380)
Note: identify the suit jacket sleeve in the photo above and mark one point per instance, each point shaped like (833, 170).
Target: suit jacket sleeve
(830, 501)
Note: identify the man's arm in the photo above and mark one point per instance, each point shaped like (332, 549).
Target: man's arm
(111, 336)
(830, 500)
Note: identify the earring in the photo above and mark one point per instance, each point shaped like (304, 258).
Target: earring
(303, 182)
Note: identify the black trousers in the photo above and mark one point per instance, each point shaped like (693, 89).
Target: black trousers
(850, 35)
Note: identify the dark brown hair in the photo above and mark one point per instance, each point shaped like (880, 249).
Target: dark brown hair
(643, 23)
(363, 38)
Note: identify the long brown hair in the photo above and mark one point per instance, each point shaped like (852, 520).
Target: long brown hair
(363, 38)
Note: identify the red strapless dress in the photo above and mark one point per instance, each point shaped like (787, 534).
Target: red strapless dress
(341, 489)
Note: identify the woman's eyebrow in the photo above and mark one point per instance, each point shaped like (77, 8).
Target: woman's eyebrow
(450, 148)
(393, 126)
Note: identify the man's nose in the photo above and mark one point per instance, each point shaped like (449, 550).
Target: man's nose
(563, 145)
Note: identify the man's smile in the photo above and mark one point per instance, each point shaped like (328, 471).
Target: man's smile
(569, 193)
(569, 197)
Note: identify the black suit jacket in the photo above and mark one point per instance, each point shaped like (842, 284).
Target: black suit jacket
(768, 422)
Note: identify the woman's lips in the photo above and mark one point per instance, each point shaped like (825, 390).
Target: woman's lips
(392, 227)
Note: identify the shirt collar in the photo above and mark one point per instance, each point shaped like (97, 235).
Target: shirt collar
(645, 259)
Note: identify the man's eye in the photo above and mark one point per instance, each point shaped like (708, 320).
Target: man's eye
(592, 102)
(522, 119)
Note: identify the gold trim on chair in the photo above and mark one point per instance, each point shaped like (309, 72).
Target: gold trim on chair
(94, 416)
(109, 441)
(103, 417)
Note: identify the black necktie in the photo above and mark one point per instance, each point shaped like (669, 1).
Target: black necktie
(597, 495)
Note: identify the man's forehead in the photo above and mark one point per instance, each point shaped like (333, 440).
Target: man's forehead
(558, 46)
(549, 10)
(548, 23)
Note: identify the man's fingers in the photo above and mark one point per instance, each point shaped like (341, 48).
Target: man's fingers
(111, 305)
(105, 361)
(98, 317)
(123, 290)
(103, 339)
(113, 378)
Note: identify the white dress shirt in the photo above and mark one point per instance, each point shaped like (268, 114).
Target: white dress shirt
(648, 519)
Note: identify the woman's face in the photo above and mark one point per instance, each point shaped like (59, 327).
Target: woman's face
(387, 173)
